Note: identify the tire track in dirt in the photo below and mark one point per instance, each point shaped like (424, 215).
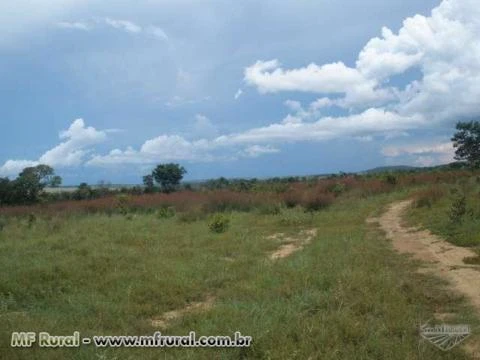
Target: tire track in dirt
(291, 244)
(444, 259)
(165, 320)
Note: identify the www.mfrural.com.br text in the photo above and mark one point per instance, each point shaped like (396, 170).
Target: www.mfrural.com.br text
(47, 340)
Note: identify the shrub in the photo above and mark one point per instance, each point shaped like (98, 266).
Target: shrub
(3, 223)
(218, 223)
(391, 179)
(291, 199)
(458, 209)
(165, 212)
(317, 201)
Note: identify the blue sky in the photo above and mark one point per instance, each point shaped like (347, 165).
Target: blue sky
(102, 91)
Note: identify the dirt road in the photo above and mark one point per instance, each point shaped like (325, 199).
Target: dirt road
(442, 258)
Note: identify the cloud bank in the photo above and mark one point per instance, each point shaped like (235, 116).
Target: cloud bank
(442, 48)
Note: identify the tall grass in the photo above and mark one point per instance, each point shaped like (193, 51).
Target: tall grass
(346, 295)
(291, 195)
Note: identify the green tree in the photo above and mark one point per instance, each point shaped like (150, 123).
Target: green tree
(149, 183)
(56, 181)
(466, 142)
(83, 192)
(6, 191)
(31, 182)
(168, 176)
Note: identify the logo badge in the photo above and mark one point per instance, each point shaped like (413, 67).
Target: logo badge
(445, 337)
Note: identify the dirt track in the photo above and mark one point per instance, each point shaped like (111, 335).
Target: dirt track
(443, 259)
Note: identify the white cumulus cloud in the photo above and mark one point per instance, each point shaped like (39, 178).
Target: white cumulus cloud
(78, 140)
(444, 47)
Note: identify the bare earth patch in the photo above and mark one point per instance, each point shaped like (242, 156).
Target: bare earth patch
(291, 244)
(167, 318)
(443, 259)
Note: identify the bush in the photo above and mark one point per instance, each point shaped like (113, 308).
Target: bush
(317, 201)
(165, 212)
(391, 179)
(218, 223)
(3, 223)
(291, 199)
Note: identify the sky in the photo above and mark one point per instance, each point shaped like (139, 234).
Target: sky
(105, 90)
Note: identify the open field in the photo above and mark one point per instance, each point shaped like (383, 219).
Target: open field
(344, 293)
(436, 205)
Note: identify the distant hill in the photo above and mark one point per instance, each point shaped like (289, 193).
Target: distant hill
(396, 168)
(399, 168)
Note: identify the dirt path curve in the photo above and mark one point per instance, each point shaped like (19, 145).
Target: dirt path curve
(445, 259)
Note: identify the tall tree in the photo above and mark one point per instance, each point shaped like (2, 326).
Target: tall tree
(466, 142)
(168, 176)
(31, 182)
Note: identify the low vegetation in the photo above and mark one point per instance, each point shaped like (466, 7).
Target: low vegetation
(345, 295)
(451, 211)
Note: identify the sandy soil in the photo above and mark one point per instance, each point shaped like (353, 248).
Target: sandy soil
(291, 244)
(167, 318)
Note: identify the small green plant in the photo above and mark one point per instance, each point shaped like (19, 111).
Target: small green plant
(165, 212)
(458, 209)
(218, 223)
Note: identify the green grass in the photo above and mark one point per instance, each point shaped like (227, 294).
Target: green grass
(436, 216)
(347, 295)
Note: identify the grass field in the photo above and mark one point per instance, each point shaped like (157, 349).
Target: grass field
(440, 208)
(346, 295)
